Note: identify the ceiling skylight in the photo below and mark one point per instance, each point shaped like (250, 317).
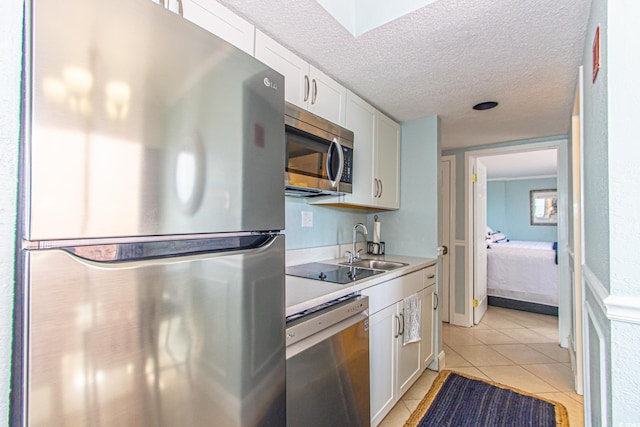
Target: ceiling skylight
(360, 16)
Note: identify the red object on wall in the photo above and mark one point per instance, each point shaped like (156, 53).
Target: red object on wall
(596, 54)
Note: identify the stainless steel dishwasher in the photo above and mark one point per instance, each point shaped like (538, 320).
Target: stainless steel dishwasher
(328, 365)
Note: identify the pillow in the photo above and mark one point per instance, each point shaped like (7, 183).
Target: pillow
(489, 231)
(498, 237)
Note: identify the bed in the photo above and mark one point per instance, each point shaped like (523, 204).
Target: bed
(523, 275)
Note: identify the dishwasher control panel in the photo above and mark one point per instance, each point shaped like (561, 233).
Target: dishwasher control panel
(316, 319)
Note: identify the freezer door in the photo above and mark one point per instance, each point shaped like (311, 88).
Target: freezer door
(184, 341)
(139, 122)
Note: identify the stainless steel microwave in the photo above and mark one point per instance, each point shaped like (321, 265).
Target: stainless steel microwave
(319, 155)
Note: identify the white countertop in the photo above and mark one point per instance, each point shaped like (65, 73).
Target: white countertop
(302, 294)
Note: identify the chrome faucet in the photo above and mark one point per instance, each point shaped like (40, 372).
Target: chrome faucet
(354, 255)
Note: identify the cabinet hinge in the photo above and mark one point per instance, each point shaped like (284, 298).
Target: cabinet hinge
(475, 303)
(474, 177)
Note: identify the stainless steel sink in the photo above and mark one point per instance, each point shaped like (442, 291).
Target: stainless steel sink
(376, 264)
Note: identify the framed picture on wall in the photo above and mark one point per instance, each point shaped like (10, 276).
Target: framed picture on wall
(544, 207)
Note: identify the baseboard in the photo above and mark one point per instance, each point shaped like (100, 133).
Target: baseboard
(441, 361)
(523, 306)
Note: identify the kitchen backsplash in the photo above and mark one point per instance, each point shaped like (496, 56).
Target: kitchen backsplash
(330, 226)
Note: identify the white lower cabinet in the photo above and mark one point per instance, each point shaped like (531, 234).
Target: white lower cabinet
(395, 367)
(428, 300)
(382, 362)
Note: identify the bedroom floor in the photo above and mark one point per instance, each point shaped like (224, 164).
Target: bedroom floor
(512, 347)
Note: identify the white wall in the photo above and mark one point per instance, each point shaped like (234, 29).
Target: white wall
(10, 68)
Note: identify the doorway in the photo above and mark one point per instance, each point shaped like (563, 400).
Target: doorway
(475, 232)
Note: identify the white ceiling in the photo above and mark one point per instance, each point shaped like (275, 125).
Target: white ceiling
(444, 58)
(542, 163)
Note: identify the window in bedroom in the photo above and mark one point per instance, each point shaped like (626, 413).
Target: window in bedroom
(544, 207)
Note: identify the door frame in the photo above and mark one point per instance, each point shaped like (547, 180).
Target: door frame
(469, 166)
(480, 249)
(449, 288)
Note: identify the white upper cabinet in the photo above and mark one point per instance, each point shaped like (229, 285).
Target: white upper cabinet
(305, 85)
(327, 97)
(387, 162)
(376, 158)
(361, 119)
(217, 19)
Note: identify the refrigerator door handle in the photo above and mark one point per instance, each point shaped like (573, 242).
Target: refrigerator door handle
(162, 251)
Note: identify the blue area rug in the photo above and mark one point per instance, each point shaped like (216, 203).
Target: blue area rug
(459, 400)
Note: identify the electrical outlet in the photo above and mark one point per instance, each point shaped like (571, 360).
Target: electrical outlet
(307, 219)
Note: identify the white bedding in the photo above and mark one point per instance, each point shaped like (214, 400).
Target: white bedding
(523, 271)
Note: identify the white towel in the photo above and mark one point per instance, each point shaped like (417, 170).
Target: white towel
(411, 331)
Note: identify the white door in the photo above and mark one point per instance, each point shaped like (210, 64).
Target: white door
(480, 243)
(445, 225)
(575, 345)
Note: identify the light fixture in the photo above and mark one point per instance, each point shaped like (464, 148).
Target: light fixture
(485, 105)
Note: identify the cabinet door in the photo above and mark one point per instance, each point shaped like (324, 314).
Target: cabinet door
(383, 328)
(328, 98)
(428, 314)
(217, 19)
(409, 364)
(361, 119)
(293, 68)
(387, 154)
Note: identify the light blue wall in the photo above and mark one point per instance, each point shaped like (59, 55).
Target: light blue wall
(10, 69)
(331, 226)
(511, 211)
(413, 230)
(497, 206)
(595, 216)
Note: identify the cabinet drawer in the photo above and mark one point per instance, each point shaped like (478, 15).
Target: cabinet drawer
(429, 276)
(387, 293)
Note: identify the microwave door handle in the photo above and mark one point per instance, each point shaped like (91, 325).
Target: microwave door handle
(335, 179)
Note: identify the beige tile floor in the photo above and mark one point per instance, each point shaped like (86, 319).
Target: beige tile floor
(512, 347)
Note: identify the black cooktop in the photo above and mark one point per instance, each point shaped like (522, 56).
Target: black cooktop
(341, 274)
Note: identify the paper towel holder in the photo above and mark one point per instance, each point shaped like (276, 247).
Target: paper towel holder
(374, 248)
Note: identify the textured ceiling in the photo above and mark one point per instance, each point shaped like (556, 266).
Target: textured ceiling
(541, 163)
(444, 58)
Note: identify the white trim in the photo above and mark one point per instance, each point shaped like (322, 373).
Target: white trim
(588, 313)
(623, 308)
(469, 166)
(572, 255)
(441, 361)
(522, 178)
(460, 243)
(520, 148)
(451, 159)
(595, 286)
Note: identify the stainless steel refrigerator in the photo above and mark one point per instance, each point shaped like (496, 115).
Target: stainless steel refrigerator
(151, 290)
